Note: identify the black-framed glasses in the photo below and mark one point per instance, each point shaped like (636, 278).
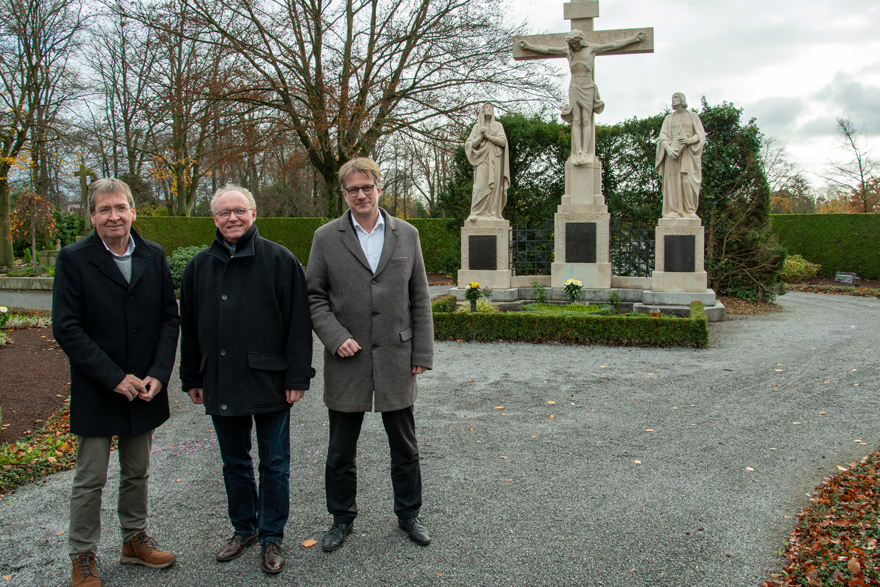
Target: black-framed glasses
(239, 212)
(353, 191)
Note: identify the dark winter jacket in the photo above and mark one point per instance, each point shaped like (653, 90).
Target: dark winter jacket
(109, 328)
(246, 334)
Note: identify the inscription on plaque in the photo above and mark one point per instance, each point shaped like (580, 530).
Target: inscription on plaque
(580, 242)
(679, 254)
(482, 253)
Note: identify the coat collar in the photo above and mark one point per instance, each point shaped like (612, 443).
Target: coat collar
(140, 259)
(351, 242)
(247, 243)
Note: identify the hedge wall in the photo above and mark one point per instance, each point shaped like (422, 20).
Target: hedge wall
(838, 242)
(438, 240)
(639, 330)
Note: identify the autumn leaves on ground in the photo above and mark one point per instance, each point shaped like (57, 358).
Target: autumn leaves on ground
(834, 543)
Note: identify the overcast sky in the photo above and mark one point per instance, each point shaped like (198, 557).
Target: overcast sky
(794, 65)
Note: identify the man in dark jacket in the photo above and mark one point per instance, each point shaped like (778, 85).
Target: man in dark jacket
(114, 314)
(246, 354)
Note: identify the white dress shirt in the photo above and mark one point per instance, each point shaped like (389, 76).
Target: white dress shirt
(371, 242)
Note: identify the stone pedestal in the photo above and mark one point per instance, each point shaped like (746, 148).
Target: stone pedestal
(582, 229)
(485, 253)
(679, 256)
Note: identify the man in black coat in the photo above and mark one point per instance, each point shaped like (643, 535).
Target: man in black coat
(246, 354)
(114, 314)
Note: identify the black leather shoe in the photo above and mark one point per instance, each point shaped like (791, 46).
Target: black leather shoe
(273, 558)
(235, 546)
(335, 537)
(417, 531)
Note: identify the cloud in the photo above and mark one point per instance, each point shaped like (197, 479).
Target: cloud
(824, 126)
(777, 116)
(847, 96)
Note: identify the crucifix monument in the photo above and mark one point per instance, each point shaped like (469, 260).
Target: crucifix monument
(84, 175)
(582, 219)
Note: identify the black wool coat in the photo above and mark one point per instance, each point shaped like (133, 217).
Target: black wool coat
(246, 333)
(109, 328)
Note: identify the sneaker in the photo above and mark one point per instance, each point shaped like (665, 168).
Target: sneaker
(85, 571)
(142, 550)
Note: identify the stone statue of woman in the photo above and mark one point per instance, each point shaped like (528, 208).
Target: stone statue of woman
(486, 149)
(679, 160)
(583, 95)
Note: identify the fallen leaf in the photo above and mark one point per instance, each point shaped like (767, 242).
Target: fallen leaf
(309, 543)
(60, 533)
(750, 469)
(471, 380)
(177, 481)
(552, 416)
(499, 407)
(841, 468)
(797, 423)
(821, 413)
(508, 480)
(504, 457)
(638, 462)
(551, 402)
(651, 374)
(7, 578)
(853, 566)
(649, 430)
(51, 459)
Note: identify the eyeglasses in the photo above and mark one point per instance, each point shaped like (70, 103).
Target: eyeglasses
(367, 189)
(239, 212)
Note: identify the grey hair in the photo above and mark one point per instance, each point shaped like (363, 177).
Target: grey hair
(230, 187)
(363, 165)
(681, 97)
(106, 186)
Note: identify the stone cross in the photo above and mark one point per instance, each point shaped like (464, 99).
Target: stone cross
(581, 14)
(83, 175)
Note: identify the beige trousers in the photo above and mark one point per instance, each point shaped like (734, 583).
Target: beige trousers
(92, 459)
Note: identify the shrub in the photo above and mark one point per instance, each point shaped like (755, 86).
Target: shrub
(178, 260)
(444, 304)
(483, 307)
(798, 270)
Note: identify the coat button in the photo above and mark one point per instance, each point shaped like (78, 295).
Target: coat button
(374, 281)
(223, 407)
(134, 330)
(375, 313)
(223, 352)
(131, 295)
(133, 371)
(375, 346)
(224, 297)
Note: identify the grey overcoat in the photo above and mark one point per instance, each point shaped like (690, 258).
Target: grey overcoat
(387, 312)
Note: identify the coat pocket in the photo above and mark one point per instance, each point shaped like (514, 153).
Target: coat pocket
(266, 379)
(406, 334)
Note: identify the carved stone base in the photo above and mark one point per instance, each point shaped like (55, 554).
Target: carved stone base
(583, 184)
(495, 279)
(592, 275)
(696, 281)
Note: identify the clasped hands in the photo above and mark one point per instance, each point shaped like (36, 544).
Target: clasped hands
(132, 387)
(350, 347)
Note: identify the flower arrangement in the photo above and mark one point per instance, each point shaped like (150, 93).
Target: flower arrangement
(4, 316)
(573, 289)
(473, 292)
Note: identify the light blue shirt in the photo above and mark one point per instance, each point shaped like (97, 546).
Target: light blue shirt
(371, 242)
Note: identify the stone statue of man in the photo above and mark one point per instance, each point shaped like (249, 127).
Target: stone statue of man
(583, 95)
(679, 160)
(486, 149)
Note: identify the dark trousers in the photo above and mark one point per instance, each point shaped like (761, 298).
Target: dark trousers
(250, 510)
(341, 471)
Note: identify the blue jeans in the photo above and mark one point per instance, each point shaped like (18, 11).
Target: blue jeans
(250, 510)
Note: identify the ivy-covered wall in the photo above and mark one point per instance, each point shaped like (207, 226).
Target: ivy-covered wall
(439, 237)
(838, 242)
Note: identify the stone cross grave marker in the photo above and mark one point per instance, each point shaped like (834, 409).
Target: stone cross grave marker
(83, 175)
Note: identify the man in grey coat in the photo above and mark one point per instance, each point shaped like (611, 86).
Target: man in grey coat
(371, 307)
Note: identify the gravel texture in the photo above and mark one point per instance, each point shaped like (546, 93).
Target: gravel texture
(515, 497)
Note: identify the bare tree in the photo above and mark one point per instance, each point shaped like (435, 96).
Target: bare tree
(343, 73)
(38, 39)
(854, 174)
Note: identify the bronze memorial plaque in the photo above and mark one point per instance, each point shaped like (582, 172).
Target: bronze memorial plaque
(482, 253)
(580, 242)
(679, 253)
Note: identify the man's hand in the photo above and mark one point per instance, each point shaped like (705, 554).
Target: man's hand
(130, 387)
(294, 395)
(153, 385)
(196, 394)
(417, 370)
(348, 348)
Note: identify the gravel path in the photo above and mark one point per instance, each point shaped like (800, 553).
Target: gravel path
(729, 440)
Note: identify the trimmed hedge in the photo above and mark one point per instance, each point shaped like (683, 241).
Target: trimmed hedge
(439, 241)
(639, 330)
(837, 242)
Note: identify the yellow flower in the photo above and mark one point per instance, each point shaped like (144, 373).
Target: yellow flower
(3, 309)
(474, 285)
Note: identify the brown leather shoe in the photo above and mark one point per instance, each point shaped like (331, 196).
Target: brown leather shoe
(142, 550)
(235, 547)
(273, 558)
(85, 571)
